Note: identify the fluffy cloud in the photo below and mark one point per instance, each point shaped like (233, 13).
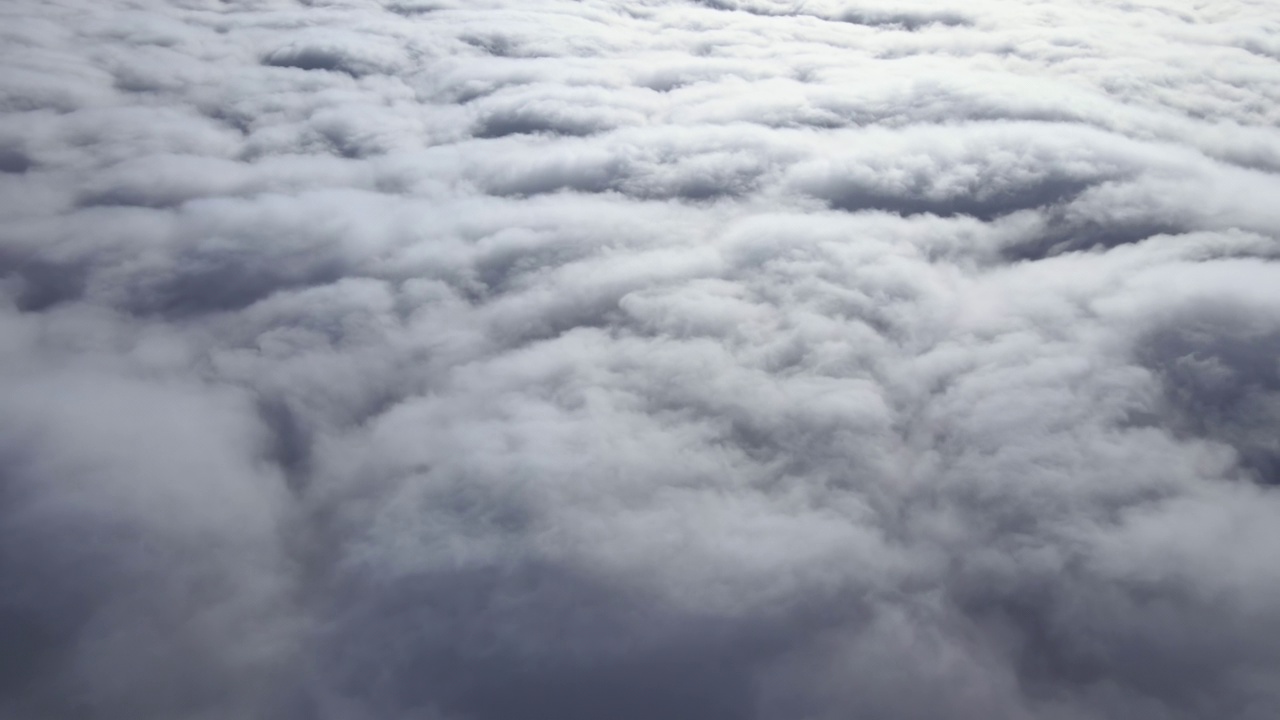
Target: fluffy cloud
(732, 359)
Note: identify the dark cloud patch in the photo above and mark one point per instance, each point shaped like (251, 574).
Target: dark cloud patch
(351, 54)
(1221, 365)
(312, 58)
(899, 20)
(594, 175)
(984, 206)
(880, 18)
(496, 45)
(516, 122)
(217, 281)
(39, 284)
(14, 161)
(291, 440)
(531, 639)
(415, 8)
(1061, 235)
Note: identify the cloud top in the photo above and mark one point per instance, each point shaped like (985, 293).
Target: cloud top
(733, 359)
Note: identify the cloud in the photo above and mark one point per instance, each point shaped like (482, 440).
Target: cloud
(745, 359)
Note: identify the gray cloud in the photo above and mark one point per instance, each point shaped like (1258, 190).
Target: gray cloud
(744, 360)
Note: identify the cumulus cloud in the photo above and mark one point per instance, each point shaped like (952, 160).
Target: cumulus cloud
(722, 359)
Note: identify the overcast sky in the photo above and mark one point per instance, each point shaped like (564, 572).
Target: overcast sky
(639, 360)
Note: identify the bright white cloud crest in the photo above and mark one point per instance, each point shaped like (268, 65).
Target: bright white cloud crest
(714, 359)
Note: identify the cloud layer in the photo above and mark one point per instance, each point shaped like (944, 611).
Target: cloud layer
(716, 359)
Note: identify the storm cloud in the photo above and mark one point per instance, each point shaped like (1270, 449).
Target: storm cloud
(636, 359)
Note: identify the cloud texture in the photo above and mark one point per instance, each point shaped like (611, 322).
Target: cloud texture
(637, 359)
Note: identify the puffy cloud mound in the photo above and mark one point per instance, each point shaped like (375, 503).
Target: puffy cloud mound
(634, 359)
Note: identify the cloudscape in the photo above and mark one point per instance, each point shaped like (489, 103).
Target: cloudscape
(639, 360)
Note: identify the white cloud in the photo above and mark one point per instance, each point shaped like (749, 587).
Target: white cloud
(635, 358)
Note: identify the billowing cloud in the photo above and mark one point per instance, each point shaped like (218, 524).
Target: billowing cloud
(717, 359)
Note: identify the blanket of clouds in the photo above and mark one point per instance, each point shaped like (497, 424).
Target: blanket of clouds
(639, 359)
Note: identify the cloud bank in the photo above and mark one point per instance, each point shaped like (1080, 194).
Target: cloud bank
(633, 359)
